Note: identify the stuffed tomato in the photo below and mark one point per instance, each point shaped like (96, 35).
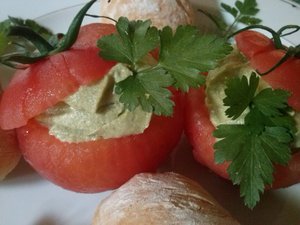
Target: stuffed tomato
(205, 108)
(63, 144)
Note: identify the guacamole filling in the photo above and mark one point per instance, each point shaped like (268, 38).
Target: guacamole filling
(234, 65)
(94, 112)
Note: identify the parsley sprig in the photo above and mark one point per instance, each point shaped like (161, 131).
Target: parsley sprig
(243, 12)
(183, 55)
(263, 139)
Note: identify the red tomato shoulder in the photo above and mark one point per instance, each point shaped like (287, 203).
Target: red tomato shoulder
(45, 83)
(261, 53)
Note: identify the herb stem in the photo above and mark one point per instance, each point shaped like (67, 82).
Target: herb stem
(275, 35)
(230, 28)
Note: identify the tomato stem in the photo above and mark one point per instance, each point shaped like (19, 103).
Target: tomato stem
(288, 54)
(275, 35)
(71, 36)
(290, 51)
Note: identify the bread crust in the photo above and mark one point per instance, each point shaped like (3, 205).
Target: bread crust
(161, 12)
(164, 199)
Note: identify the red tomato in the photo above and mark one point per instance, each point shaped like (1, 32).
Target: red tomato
(262, 55)
(198, 127)
(88, 166)
(10, 153)
(50, 80)
(102, 164)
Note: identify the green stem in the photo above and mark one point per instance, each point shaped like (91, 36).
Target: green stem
(288, 54)
(19, 61)
(73, 30)
(228, 30)
(295, 28)
(104, 17)
(275, 35)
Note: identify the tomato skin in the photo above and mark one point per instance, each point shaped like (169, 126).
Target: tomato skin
(286, 76)
(252, 43)
(105, 163)
(198, 129)
(261, 53)
(285, 176)
(45, 83)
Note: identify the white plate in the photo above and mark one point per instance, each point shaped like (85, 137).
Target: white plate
(28, 199)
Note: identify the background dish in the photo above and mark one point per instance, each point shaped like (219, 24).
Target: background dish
(28, 199)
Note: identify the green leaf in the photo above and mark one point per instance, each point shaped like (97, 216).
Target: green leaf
(248, 20)
(275, 141)
(38, 41)
(132, 42)
(44, 32)
(226, 147)
(183, 55)
(148, 89)
(239, 94)
(71, 36)
(186, 54)
(248, 7)
(251, 156)
(271, 102)
(263, 139)
(233, 11)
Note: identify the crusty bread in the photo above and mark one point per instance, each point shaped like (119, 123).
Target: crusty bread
(161, 12)
(161, 199)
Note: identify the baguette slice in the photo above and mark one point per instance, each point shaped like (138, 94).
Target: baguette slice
(161, 12)
(161, 199)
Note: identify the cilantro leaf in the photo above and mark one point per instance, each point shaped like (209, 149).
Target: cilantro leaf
(148, 89)
(187, 53)
(248, 7)
(248, 20)
(243, 12)
(132, 42)
(183, 55)
(233, 11)
(264, 137)
(226, 147)
(275, 141)
(239, 94)
(271, 102)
